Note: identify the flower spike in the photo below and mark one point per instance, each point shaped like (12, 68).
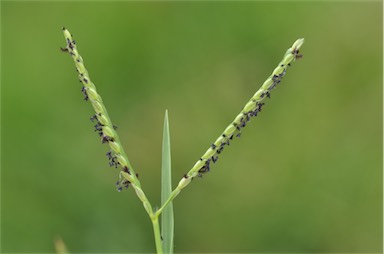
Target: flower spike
(103, 125)
(251, 109)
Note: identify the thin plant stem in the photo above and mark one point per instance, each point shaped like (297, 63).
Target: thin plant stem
(251, 109)
(156, 233)
(173, 195)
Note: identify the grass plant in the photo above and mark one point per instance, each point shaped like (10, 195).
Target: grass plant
(128, 176)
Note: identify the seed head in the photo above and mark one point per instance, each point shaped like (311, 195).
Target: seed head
(103, 125)
(250, 110)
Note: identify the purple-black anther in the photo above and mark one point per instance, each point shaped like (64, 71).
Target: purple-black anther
(106, 139)
(126, 170)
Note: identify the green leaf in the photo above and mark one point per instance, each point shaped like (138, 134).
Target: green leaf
(166, 190)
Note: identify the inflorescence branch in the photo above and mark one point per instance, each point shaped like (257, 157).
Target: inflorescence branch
(104, 127)
(251, 109)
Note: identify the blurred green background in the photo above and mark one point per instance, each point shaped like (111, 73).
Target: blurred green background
(306, 175)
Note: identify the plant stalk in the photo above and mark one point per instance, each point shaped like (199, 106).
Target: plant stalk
(156, 233)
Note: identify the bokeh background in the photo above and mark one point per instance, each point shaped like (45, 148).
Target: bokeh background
(306, 175)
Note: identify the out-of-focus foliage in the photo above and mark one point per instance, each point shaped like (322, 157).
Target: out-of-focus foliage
(306, 175)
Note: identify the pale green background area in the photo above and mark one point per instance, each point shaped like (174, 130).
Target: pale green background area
(306, 175)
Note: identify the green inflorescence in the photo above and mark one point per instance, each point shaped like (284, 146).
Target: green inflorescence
(118, 158)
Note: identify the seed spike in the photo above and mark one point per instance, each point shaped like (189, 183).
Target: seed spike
(104, 126)
(251, 109)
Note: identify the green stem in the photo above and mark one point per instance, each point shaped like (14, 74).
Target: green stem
(173, 195)
(156, 232)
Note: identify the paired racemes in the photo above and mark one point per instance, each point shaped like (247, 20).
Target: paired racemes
(203, 165)
(107, 131)
(117, 157)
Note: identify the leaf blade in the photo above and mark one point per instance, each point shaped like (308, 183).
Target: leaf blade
(167, 220)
